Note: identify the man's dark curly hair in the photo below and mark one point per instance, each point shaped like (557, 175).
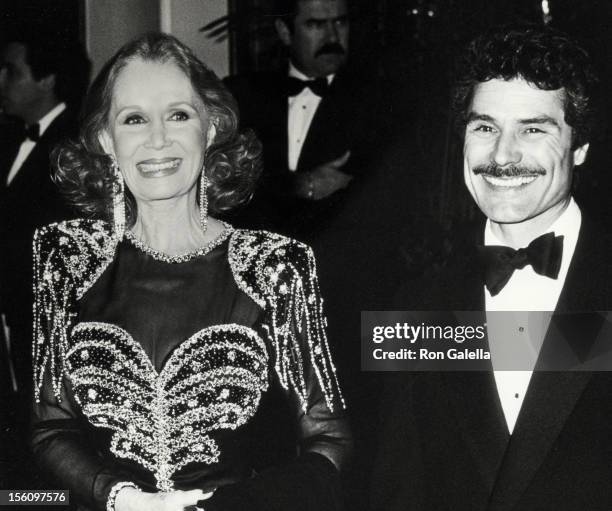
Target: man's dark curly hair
(232, 162)
(543, 57)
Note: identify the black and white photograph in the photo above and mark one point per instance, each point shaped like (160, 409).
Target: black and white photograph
(305, 255)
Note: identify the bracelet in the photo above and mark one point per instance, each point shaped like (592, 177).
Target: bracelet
(112, 496)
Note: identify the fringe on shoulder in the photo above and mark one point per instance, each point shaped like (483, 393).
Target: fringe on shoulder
(68, 258)
(280, 275)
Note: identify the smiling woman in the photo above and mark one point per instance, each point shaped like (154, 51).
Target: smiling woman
(163, 335)
(125, 102)
(158, 128)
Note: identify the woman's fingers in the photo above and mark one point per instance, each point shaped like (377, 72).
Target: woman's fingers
(178, 500)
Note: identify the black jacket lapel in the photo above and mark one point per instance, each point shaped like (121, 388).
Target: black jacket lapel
(459, 285)
(38, 161)
(552, 396)
(472, 395)
(9, 147)
(279, 130)
(328, 137)
(475, 403)
(549, 402)
(587, 286)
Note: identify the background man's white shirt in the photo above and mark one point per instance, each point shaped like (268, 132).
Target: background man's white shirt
(302, 109)
(27, 146)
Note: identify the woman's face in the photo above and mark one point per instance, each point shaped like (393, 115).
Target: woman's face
(157, 131)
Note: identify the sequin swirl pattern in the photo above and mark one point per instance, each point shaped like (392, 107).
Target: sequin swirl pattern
(212, 381)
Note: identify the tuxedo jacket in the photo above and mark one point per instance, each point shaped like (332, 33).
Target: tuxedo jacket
(345, 120)
(30, 201)
(444, 443)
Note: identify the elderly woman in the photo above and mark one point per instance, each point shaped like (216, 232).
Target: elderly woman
(161, 331)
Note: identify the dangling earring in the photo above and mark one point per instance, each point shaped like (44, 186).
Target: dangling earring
(203, 201)
(118, 201)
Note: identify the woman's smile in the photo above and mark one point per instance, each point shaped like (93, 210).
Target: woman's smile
(158, 132)
(158, 167)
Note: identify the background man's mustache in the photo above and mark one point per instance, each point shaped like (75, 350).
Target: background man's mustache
(495, 170)
(330, 48)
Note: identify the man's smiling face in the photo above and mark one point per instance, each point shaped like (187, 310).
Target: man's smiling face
(517, 153)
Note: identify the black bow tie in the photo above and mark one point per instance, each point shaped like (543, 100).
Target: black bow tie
(31, 132)
(543, 254)
(319, 86)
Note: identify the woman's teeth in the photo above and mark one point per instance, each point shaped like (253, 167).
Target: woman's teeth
(156, 167)
(509, 182)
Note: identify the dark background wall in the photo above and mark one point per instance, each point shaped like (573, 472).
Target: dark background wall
(65, 16)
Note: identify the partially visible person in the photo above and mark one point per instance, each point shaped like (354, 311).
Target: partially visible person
(163, 335)
(316, 119)
(524, 438)
(42, 80)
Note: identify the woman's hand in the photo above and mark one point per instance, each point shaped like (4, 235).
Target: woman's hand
(131, 499)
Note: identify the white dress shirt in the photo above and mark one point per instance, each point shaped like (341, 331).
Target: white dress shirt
(27, 145)
(301, 111)
(526, 291)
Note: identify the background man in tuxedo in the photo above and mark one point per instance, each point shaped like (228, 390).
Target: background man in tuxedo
(502, 440)
(42, 79)
(315, 119)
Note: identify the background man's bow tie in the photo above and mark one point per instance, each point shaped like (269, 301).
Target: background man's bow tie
(543, 254)
(319, 86)
(31, 132)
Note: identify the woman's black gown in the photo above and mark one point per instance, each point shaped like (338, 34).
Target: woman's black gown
(173, 373)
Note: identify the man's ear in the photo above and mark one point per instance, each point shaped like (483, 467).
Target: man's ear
(107, 143)
(211, 134)
(580, 154)
(284, 34)
(47, 83)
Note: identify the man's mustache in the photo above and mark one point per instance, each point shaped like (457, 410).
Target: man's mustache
(495, 170)
(330, 48)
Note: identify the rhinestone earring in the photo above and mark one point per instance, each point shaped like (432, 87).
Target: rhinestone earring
(203, 201)
(118, 201)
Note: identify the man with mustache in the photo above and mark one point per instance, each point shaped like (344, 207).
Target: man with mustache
(522, 438)
(314, 118)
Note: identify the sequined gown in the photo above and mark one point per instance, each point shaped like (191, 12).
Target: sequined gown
(159, 370)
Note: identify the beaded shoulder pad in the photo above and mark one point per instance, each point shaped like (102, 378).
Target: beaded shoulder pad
(280, 275)
(68, 258)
